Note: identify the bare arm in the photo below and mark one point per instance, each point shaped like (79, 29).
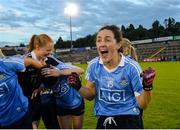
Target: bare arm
(89, 91)
(1, 54)
(31, 62)
(76, 69)
(144, 99)
(56, 72)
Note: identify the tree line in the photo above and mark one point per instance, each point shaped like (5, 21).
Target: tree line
(170, 28)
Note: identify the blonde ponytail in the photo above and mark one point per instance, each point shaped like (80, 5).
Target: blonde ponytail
(125, 43)
(133, 53)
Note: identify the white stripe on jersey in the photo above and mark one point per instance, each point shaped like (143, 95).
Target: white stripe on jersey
(14, 61)
(135, 65)
(93, 61)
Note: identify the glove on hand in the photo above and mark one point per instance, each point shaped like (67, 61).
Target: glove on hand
(49, 81)
(148, 77)
(74, 81)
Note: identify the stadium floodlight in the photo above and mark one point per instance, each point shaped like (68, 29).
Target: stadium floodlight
(71, 10)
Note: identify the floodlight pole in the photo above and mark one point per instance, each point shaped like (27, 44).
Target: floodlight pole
(71, 10)
(71, 32)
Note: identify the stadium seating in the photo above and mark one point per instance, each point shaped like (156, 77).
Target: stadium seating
(159, 51)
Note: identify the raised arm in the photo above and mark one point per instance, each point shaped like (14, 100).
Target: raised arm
(1, 54)
(53, 71)
(31, 62)
(87, 92)
(76, 69)
(145, 98)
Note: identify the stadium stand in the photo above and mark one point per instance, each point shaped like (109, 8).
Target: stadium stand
(157, 49)
(162, 51)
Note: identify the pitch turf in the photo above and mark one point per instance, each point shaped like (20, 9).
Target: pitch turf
(164, 110)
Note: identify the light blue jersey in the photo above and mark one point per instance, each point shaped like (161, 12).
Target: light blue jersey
(136, 64)
(13, 103)
(66, 96)
(115, 89)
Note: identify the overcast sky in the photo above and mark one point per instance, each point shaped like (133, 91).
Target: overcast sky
(20, 19)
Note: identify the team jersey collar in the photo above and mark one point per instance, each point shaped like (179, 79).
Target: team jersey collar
(34, 56)
(121, 64)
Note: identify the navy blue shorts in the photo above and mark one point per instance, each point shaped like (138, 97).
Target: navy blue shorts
(76, 111)
(23, 123)
(120, 122)
(35, 109)
(48, 108)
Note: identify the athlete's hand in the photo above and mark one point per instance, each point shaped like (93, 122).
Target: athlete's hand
(45, 78)
(36, 92)
(1, 54)
(74, 81)
(50, 71)
(148, 76)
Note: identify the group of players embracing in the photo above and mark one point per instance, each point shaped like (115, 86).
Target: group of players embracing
(39, 86)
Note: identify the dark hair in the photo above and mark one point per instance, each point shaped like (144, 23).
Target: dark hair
(40, 40)
(116, 31)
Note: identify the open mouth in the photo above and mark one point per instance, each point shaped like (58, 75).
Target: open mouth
(103, 52)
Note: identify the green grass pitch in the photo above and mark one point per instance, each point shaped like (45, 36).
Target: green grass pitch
(164, 110)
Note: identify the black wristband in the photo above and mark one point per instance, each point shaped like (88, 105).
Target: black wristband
(148, 88)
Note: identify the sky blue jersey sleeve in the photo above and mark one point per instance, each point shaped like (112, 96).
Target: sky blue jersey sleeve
(136, 80)
(90, 73)
(62, 66)
(15, 63)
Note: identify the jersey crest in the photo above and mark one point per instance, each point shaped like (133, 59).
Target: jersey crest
(3, 89)
(61, 89)
(2, 76)
(123, 82)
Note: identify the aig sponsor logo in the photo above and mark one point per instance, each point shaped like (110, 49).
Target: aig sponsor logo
(112, 96)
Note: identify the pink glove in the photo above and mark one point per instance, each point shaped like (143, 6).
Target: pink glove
(148, 77)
